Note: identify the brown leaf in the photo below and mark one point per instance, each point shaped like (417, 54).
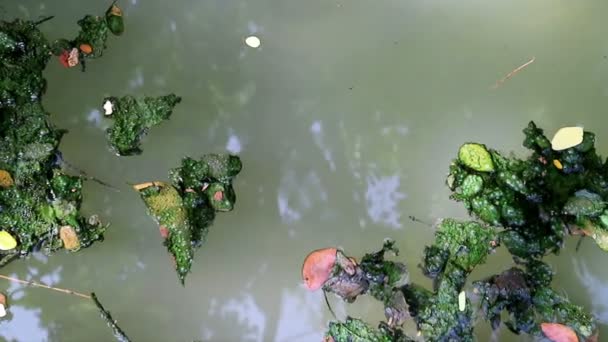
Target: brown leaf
(6, 181)
(558, 332)
(69, 238)
(317, 267)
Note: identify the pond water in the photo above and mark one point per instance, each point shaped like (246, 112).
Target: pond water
(346, 119)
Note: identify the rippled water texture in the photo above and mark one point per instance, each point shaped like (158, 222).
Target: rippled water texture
(346, 118)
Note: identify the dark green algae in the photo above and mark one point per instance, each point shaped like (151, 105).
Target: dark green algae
(43, 197)
(528, 205)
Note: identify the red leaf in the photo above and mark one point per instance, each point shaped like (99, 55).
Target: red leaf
(558, 332)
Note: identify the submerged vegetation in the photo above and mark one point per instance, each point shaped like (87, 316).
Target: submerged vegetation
(185, 209)
(529, 206)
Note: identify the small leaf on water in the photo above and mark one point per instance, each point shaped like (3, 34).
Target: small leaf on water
(462, 301)
(567, 137)
(141, 186)
(476, 157)
(7, 241)
(558, 332)
(69, 238)
(6, 181)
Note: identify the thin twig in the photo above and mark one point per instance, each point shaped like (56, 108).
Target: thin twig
(328, 305)
(512, 73)
(32, 283)
(44, 20)
(118, 333)
(86, 176)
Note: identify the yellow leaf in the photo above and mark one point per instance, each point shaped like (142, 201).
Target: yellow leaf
(567, 137)
(6, 180)
(7, 241)
(558, 164)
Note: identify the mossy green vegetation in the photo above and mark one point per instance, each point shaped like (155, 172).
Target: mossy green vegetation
(185, 209)
(38, 200)
(133, 117)
(528, 205)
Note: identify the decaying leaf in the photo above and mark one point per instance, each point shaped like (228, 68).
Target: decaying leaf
(567, 137)
(317, 267)
(6, 181)
(70, 238)
(558, 332)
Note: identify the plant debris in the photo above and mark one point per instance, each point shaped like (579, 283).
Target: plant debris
(185, 208)
(528, 205)
(36, 196)
(133, 118)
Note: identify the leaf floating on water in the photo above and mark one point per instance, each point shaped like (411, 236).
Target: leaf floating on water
(6, 180)
(558, 332)
(567, 137)
(317, 267)
(253, 42)
(7, 241)
(70, 238)
(2, 305)
(462, 301)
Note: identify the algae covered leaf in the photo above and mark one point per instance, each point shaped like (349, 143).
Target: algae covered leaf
(186, 208)
(133, 117)
(165, 204)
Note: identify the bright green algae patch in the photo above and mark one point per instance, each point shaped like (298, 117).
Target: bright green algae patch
(185, 209)
(529, 205)
(42, 198)
(133, 117)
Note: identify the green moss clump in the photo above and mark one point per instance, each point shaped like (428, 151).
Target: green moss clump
(527, 205)
(41, 197)
(134, 117)
(186, 208)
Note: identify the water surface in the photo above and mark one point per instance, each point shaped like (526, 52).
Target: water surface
(346, 119)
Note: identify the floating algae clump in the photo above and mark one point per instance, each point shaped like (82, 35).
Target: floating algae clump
(36, 197)
(185, 209)
(528, 205)
(134, 117)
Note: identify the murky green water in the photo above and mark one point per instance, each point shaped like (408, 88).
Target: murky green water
(346, 119)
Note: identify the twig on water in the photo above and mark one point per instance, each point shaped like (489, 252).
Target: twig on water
(512, 73)
(118, 333)
(32, 283)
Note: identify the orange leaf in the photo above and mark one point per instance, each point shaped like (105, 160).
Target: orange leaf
(558, 332)
(317, 267)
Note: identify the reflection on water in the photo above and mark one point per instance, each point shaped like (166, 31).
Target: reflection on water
(597, 289)
(382, 197)
(24, 324)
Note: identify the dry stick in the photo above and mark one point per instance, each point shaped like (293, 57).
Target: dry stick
(512, 73)
(32, 283)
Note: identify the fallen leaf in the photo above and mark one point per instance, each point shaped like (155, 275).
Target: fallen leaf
(2, 305)
(462, 301)
(317, 267)
(7, 241)
(69, 238)
(558, 332)
(141, 186)
(567, 137)
(6, 181)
